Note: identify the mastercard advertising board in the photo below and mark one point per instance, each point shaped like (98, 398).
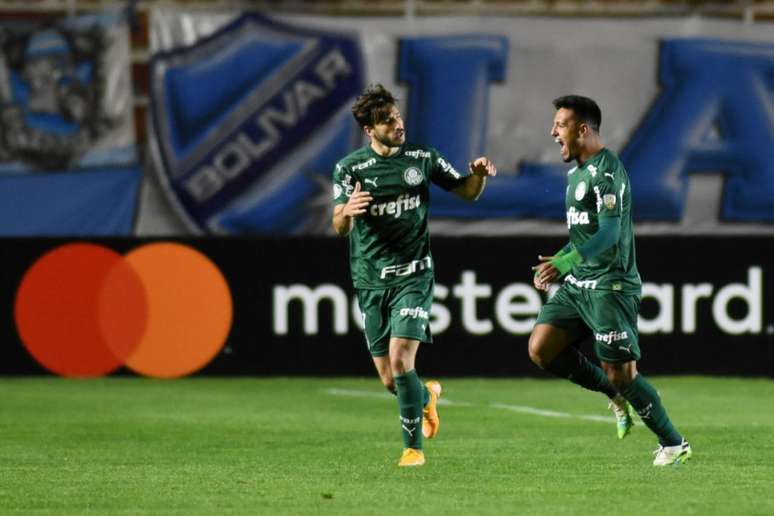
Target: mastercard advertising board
(162, 310)
(211, 306)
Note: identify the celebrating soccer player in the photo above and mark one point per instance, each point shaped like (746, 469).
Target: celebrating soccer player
(381, 194)
(600, 296)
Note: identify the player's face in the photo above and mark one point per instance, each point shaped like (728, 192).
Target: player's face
(567, 132)
(390, 132)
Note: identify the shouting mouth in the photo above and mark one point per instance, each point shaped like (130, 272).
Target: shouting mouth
(561, 144)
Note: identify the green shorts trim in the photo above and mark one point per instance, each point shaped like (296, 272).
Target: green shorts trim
(400, 311)
(610, 317)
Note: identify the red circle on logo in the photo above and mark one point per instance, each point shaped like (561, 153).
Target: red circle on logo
(58, 310)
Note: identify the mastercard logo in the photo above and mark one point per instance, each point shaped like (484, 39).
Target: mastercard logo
(163, 310)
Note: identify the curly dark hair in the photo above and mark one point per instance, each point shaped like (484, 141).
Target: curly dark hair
(373, 106)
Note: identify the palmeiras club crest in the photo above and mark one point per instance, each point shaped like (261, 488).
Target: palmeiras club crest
(247, 124)
(412, 176)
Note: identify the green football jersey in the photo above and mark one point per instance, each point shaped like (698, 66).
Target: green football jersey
(391, 241)
(600, 188)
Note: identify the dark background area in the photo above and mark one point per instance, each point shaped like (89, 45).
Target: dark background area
(253, 266)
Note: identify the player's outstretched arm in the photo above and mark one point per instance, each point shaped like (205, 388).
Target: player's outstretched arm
(474, 184)
(344, 214)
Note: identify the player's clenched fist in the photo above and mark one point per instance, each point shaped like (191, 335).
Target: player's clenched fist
(358, 202)
(483, 167)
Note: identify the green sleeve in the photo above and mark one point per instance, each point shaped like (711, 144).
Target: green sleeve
(564, 250)
(443, 173)
(566, 262)
(605, 237)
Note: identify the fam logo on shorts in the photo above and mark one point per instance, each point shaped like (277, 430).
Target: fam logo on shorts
(412, 176)
(248, 122)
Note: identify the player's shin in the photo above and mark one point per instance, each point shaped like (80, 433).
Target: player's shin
(410, 394)
(646, 401)
(573, 365)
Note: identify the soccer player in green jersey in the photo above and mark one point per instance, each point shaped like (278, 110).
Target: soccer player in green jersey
(381, 195)
(600, 296)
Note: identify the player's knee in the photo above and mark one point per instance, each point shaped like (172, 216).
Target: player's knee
(619, 379)
(399, 368)
(620, 375)
(400, 363)
(536, 353)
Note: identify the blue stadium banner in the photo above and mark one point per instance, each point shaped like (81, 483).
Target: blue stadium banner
(250, 114)
(248, 122)
(68, 159)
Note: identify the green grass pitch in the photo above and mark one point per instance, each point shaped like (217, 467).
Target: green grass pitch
(124, 445)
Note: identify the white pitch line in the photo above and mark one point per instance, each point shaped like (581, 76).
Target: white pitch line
(359, 394)
(445, 401)
(551, 413)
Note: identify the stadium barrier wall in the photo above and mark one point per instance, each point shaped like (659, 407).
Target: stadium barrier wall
(706, 306)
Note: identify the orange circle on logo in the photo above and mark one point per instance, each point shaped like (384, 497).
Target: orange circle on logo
(189, 303)
(83, 310)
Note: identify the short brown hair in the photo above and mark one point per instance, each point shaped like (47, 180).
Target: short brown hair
(373, 106)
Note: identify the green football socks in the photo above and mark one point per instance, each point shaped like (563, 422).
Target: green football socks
(647, 403)
(425, 394)
(410, 395)
(574, 366)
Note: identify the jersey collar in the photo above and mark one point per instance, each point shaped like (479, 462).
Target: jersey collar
(375, 154)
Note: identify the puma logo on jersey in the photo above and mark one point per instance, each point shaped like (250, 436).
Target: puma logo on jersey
(371, 181)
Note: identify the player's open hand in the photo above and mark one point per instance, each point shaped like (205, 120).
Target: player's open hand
(482, 167)
(358, 202)
(545, 273)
